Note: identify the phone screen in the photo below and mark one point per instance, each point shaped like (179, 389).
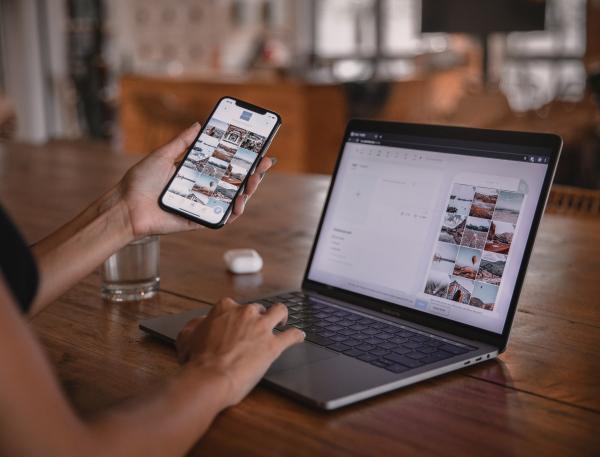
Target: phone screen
(219, 161)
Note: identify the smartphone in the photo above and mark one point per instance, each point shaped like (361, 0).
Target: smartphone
(216, 168)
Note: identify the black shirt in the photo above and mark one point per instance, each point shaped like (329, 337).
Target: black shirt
(17, 264)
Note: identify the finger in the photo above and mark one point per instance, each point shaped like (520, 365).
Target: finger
(238, 207)
(289, 337)
(182, 341)
(252, 185)
(225, 304)
(182, 347)
(179, 157)
(254, 180)
(190, 326)
(265, 164)
(277, 315)
(177, 146)
(191, 225)
(254, 309)
(183, 354)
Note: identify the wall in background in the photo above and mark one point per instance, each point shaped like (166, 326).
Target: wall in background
(216, 38)
(196, 37)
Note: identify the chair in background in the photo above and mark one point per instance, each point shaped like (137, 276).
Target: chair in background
(574, 201)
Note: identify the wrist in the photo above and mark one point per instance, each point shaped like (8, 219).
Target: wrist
(214, 380)
(114, 205)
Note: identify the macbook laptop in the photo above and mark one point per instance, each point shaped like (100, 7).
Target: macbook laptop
(418, 260)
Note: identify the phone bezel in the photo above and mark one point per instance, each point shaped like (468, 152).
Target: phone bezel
(267, 143)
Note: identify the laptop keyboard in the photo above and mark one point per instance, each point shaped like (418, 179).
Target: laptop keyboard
(393, 347)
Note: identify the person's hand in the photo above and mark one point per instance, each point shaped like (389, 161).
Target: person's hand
(238, 342)
(143, 183)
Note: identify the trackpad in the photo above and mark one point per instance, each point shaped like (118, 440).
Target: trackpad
(299, 355)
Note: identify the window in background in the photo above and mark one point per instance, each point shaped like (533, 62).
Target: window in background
(347, 37)
(536, 67)
(402, 38)
(345, 28)
(198, 37)
(545, 66)
(402, 30)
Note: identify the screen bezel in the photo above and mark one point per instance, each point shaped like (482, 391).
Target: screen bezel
(267, 143)
(552, 145)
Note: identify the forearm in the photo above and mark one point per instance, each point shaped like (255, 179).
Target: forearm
(73, 251)
(36, 419)
(167, 423)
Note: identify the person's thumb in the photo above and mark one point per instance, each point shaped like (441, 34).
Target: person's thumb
(177, 146)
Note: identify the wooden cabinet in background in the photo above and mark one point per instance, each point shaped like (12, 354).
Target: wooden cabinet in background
(154, 110)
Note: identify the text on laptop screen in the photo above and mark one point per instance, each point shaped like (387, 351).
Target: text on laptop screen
(441, 229)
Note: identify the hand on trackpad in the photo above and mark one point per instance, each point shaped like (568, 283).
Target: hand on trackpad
(299, 355)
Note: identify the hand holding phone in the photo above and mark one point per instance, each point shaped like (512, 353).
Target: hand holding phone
(217, 166)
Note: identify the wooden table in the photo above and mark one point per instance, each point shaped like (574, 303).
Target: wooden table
(542, 397)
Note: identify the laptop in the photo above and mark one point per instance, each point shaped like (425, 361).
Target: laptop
(418, 259)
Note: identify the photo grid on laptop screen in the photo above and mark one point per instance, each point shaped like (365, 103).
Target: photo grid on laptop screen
(439, 232)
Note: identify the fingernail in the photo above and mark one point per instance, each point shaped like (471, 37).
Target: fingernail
(273, 161)
(262, 175)
(304, 335)
(196, 123)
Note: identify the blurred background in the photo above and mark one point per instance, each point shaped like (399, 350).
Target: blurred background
(130, 74)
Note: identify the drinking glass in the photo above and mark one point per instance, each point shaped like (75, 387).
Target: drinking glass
(132, 273)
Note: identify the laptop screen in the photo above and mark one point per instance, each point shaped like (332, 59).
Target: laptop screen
(436, 225)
